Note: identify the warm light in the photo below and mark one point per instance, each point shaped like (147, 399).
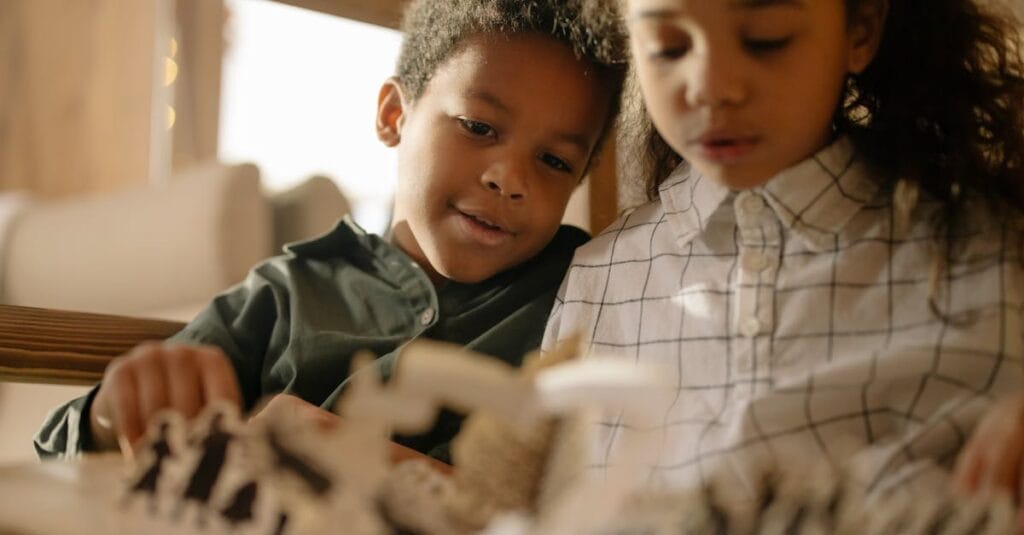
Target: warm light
(171, 117)
(170, 71)
(694, 300)
(174, 48)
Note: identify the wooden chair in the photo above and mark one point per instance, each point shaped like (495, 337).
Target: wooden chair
(40, 345)
(56, 346)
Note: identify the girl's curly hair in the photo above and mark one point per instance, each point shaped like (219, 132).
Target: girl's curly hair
(941, 106)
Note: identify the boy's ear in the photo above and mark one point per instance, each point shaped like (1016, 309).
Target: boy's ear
(390, 112)
(866, 28)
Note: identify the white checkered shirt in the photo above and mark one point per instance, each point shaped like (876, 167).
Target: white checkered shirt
(794, 317)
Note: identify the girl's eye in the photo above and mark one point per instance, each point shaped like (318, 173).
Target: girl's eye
(556, 163)
(668, 48)
(667, 53)
(476, 127)
(765, 46)
(666, 43)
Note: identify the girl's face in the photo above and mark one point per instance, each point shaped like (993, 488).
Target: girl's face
(743, 89)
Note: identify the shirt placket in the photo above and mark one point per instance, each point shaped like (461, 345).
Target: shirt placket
(753, 295)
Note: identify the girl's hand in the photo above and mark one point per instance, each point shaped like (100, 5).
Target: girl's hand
(153, 377)
(993, 460)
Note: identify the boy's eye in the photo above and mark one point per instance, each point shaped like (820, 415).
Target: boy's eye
(476, 127)
(765, 46)
(556, 163)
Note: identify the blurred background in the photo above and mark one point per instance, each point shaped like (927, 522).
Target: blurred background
(152, 151)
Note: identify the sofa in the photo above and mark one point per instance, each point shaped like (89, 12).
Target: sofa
(155, 251)
(150, 252)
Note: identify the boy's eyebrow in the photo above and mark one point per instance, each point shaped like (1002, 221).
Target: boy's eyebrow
(578, 140)
(489, 98)
(669, 13)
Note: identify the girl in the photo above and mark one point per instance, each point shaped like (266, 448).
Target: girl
(830, 263)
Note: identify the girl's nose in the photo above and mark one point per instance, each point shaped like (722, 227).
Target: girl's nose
(714, 80)
(506, 179)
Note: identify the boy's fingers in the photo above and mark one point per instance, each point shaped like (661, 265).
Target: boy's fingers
(184, 384)
(125, 404)
(152, 386)
(219, 382)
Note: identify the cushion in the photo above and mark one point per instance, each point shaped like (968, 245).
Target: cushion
(156, 247)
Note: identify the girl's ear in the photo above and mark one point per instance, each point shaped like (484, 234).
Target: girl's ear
(866, 28)
(391, 109)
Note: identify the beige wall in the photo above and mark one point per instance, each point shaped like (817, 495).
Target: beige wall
(76, 92)
(23, 407)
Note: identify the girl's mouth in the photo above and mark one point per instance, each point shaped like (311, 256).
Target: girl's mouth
(726, 150)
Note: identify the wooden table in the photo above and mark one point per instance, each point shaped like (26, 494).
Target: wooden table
(56, 346)
(63, 497)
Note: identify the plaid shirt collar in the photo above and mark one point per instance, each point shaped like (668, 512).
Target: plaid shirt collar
(815, 198)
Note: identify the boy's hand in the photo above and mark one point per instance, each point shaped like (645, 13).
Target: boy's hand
(153, 377)
(992, 459)
(296, 408)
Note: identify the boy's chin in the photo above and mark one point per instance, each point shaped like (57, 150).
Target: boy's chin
(468, 274)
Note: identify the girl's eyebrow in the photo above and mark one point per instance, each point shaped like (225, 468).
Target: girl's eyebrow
(755, 4)
(670, 13)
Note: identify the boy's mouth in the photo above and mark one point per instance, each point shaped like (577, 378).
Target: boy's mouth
(483, 229)
(484, 222)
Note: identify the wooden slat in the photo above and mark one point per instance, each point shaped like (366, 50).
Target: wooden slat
(57, 346)
(76, 95)
(604, 190)
(387, 13)
(198, 88)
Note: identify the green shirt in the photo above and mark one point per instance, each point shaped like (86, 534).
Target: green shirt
(295, 323)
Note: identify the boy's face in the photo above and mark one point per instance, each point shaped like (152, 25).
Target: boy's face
(743, 89)
(489, 154)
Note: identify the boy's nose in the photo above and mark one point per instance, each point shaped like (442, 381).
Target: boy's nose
(506, 180)
(714, 81)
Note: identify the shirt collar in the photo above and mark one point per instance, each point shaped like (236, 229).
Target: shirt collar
(815, 199)
(690, 199)
(819, 196)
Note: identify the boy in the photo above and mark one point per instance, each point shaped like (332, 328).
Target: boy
(496, 111)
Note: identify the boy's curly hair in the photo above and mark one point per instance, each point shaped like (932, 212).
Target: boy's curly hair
(941, 106)
(593, 29)
(434, 29)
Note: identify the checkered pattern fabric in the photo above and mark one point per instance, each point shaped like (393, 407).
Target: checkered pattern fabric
(795, 317)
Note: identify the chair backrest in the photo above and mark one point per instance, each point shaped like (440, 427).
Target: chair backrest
(55, 346)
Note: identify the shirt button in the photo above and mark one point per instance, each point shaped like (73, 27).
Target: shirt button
(750, 327)
(755, 262)
(427, 316)
(752, 205)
